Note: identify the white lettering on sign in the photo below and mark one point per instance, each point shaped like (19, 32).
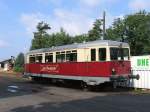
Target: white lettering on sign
(49, 68)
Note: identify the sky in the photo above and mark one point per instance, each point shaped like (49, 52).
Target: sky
(19, 18)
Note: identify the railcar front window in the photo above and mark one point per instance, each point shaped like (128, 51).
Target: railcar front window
(32, 60)
(119, 53)
(126, 53)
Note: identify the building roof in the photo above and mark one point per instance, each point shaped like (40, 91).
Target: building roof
(4, 61)
(81, 45)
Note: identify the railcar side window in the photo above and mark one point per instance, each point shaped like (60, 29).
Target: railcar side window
(102, 54)
(71, 56)
(62, 57)
(58, 57)
(39, 59)
(48, 58)
(68, 56)
(93, 54)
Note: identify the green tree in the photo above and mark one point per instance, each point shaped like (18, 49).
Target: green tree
(44, 40)
(135, 30)
(61, 38)
(117, 31)
(19, 63)
(80, 38)
(41, 36)
(96, 32)
(43, 27)
(138, 30)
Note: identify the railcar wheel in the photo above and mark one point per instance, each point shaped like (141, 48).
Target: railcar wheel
(35, 79)
(85, 87)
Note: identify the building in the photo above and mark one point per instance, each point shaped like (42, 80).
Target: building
(7, 65)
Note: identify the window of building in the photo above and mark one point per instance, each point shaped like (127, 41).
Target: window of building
(93, 54)
(102, 54)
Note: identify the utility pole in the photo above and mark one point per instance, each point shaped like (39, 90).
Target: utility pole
(104, 29)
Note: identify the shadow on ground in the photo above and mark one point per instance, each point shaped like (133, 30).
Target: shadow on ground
(111, 103)
(105, 87)
(12, 86)
(26, 87)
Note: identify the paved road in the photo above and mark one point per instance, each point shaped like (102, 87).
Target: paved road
(20, 95)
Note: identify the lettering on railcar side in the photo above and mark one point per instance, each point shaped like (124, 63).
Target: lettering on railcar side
(49, 68)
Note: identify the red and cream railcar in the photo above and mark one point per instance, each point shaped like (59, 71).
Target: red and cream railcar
(93, 62)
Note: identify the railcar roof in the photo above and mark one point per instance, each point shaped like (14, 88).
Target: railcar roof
(80, 45)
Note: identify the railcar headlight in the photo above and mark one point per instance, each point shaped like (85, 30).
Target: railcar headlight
(113, 71)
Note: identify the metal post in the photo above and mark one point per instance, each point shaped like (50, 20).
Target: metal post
(104, 17)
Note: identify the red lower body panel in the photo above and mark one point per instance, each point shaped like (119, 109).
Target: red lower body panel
(90, 69)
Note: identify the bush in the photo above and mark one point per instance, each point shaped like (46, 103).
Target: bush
(18, 69)
(19, 63)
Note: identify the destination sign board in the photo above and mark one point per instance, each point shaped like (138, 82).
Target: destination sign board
(140, 62)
